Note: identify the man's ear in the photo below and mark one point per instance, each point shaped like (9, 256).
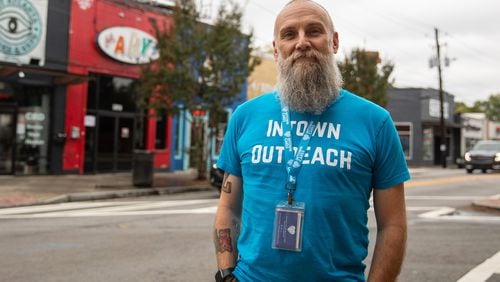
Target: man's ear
(275, 51)
(335, 42)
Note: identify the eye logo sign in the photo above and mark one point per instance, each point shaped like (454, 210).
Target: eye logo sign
(20, 27)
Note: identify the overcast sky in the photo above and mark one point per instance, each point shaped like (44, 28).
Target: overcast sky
(403, 32)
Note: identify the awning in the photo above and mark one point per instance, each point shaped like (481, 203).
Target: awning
(447, 124)
(57, 77)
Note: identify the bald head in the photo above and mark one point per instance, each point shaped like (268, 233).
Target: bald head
(293, 5)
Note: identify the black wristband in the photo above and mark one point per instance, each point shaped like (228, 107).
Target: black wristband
(223, 274)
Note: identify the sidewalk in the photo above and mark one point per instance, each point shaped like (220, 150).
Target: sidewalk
(44, 189)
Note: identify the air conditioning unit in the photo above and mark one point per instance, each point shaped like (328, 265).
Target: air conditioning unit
(163, 3)
(160, 3)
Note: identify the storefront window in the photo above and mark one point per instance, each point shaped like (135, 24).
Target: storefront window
(32, 131)
(428, 144)
(116, 94)
(6, 141)
(405, 135)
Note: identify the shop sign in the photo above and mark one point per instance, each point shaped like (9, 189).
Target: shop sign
(34, 128)
(22, 31)
(128, 45)
(89, 121)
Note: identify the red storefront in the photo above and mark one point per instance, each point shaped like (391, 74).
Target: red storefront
(103, 122)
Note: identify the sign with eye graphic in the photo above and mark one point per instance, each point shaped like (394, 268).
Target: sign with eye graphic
(23, 31)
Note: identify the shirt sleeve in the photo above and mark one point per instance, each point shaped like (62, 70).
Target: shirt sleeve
(390, 164)
(229, 159)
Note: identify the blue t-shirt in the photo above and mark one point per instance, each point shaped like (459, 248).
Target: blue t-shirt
(354, 148)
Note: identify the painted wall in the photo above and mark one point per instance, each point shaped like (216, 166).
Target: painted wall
(88, 19)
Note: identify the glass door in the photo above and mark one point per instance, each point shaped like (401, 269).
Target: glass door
(7, 141)
(106, 143)
(125, 143)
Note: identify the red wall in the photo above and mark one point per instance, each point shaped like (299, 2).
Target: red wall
(85, 57)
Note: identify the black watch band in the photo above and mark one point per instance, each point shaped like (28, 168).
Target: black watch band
(223, 274)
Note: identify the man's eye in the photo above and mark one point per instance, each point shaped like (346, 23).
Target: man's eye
(315, 32)
(288, 34)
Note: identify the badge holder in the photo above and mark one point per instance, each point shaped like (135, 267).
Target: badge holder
(288, 226)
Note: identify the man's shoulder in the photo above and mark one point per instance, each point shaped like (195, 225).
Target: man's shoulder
(362, 103)
(263, 101)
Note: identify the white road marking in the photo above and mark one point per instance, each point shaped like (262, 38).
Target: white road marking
(62, 206)
(207, 210)
(483, 271)
(153, 205)
(446, 198)
(428, 208)
(86, 209)
(437, 213)
(446, 213)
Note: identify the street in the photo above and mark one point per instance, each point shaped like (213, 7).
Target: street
(169, 237)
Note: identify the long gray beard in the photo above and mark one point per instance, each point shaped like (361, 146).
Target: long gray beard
(308, 85)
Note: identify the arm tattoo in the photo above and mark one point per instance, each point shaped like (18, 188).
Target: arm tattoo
(226, 185)
(224, 243)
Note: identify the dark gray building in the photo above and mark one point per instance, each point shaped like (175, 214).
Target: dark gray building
(416, 113)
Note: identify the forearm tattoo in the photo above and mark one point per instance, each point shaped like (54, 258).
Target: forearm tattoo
(226, 184)
(224, 242)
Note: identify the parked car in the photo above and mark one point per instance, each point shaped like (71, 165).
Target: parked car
(484, 155)
(216, 177)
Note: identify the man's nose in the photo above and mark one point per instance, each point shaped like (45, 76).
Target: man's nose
(303, 43)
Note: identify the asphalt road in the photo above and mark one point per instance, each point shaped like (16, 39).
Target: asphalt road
(168, 238)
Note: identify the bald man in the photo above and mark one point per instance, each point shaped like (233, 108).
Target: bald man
(300, 166)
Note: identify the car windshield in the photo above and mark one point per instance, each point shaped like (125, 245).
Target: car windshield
(487, 146)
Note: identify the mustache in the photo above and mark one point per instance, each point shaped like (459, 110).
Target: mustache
(309, 54)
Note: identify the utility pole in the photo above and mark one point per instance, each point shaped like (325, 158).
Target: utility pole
(442, 146)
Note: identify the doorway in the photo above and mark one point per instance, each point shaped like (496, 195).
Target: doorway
(110, 144)
(7, 140)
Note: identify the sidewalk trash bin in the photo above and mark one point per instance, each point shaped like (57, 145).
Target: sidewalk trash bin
(143, 168)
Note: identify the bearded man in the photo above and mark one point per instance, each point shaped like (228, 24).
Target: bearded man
(300, 166)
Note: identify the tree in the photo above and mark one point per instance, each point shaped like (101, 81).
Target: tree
(461, 108)
(493, 107)
(364, 75)
(201, 67)
(490, 107)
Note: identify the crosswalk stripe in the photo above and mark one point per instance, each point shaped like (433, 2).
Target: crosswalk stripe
(153, 205)
(62, 206)
(102, 206)
(206, 210)
(483, 271)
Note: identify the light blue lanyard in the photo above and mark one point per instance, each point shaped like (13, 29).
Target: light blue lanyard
(293, 160)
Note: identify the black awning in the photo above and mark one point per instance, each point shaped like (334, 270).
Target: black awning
(57, 77)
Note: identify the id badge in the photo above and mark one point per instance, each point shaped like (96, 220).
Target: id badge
(288, 226)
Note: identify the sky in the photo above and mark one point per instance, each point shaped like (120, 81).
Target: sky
(402, 31)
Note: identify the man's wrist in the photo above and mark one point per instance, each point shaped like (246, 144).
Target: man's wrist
(223, 275)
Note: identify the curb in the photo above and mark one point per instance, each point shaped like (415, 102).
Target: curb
(492, 202)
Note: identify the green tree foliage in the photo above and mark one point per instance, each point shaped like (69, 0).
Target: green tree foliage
(200, 67)
(493, 108)
(364, 75)
(490, 107)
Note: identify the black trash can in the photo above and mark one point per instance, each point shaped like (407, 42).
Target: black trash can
(143, 168)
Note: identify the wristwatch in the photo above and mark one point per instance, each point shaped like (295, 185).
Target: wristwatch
(224, 274)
